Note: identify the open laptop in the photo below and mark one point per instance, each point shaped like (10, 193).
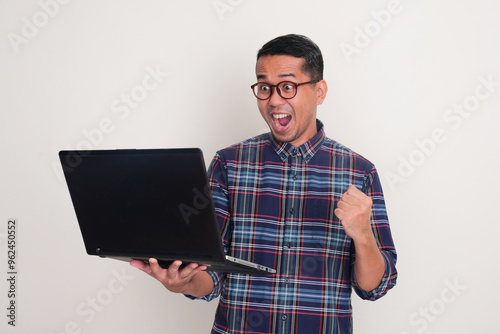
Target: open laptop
(139, 204)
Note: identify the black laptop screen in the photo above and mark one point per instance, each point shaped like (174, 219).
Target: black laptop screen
(141, 200)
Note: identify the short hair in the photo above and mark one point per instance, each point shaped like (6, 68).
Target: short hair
(296, 46)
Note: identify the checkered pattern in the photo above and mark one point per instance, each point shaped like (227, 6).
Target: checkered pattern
(275, 204)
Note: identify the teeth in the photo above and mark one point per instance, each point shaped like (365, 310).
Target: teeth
(278, 116)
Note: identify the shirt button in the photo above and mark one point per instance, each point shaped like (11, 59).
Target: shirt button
(283, 317)
(292, 211)
(295, 177)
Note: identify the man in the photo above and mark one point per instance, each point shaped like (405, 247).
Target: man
(296, 201)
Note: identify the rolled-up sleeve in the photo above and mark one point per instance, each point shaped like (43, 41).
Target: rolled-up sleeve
(388, 280)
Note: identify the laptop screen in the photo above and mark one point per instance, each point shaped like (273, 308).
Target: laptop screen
(145, 201)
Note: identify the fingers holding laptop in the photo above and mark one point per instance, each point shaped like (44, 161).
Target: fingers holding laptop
(174, 279)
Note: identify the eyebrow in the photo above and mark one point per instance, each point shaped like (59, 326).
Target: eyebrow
(287, 75)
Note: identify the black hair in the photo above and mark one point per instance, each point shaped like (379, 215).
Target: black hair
(296, 46)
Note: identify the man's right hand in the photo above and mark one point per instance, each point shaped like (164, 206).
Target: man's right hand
(175, 280)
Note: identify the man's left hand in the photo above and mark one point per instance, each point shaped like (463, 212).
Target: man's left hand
(354, 210)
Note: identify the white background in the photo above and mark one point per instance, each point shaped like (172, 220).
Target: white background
(394, 81)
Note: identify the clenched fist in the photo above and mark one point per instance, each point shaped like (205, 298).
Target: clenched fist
(354, 211)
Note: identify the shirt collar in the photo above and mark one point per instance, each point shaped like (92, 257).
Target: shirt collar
(306, 150)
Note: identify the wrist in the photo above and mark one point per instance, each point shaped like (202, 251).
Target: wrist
(366, 240)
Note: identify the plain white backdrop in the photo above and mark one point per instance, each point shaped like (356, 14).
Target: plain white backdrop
(414, 86)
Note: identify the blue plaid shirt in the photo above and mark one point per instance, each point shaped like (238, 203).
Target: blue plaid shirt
(275, 205)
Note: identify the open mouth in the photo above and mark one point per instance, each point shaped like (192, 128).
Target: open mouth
(281, 120)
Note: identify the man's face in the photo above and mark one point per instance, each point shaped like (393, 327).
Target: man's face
(290, 120)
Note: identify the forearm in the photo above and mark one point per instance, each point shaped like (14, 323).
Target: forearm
(369, 266)
(201, 285)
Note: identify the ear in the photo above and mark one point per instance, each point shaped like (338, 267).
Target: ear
(321, 90)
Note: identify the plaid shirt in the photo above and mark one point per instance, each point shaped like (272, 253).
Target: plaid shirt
(275, 205)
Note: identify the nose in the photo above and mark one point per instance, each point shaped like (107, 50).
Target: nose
(276, 100)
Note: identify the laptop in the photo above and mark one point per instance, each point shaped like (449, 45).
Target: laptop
(152, 203)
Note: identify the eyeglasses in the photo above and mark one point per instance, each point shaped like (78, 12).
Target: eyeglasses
(286, 89)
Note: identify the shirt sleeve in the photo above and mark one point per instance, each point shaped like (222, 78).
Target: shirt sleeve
(217, 177)
(382, 232)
